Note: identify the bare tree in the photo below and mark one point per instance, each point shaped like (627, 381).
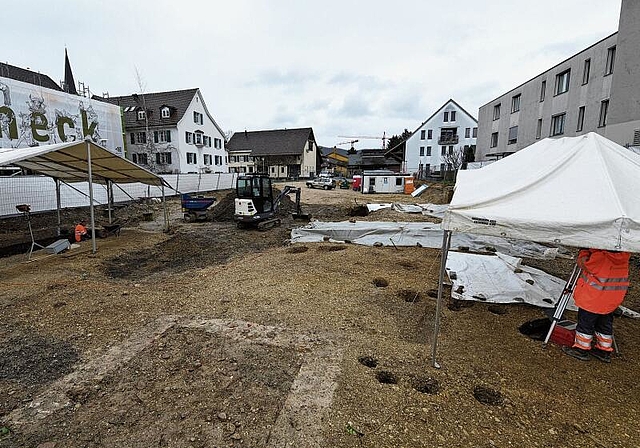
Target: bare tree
(149, 145)
(453, 160)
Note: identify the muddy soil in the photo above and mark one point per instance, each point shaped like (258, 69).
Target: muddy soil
(371, 308)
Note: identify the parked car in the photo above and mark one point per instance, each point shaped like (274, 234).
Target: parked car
(326, 183)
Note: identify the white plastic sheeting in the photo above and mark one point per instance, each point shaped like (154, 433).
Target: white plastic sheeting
(422, 234)
(435, 210)
(503, 279)
(575, 191)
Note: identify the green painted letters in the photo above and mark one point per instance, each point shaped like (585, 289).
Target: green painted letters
(13, 126)
(61, 122)
(86, 129)
(41, 126)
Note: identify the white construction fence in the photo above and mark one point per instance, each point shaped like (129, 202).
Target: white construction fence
(40, 191)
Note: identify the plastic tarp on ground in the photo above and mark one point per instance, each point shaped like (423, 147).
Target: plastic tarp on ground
(503, 279)
(435, 210)
(575, 191)
(406, 234)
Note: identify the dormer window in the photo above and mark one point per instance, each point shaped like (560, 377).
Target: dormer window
(165, 112)
(141, 115)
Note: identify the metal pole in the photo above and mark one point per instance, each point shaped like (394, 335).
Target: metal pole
(93, 218)
(563, 301)
(110, 199)
(58, 204)
(446, 239)
(166, 213)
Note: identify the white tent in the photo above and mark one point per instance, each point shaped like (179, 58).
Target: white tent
(575, 191)
(80, 161)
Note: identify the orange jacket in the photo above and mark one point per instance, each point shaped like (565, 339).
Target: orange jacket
(604, 280)
(80, 231)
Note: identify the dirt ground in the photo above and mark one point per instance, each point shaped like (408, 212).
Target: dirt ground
(213, 336)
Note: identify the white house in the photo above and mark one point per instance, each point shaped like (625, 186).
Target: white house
(172, 132)
(444, 136)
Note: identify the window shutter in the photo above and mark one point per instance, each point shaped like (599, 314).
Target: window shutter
(133, 139)
(636, 137)
(158, 158)
(155, 137)
(168, 136)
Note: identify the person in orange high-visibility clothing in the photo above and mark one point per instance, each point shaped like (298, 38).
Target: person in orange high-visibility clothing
(81, 231)
(601, 288)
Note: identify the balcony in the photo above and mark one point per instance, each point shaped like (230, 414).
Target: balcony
(448, 139)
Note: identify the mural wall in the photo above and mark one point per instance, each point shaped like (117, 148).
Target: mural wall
(31, 115)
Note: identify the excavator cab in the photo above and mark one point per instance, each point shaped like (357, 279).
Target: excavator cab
(254, 199)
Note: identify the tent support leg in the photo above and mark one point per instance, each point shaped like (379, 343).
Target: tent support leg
(446, 241)
(110, 200)
(58, 205)
(166, 213)
(93, 217)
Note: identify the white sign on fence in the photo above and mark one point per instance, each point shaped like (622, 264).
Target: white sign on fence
(31, 115)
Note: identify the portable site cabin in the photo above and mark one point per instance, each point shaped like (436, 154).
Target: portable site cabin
(385, 181)
(518, 197)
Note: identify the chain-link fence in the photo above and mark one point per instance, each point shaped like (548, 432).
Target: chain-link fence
(40, 192)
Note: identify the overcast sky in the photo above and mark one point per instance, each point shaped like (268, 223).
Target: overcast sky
(343, 67)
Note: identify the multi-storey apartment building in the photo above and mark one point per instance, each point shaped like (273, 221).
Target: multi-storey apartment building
(596, 90)
(443, 138)
(172, 132)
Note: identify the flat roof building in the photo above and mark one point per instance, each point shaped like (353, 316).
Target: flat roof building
(596, 90)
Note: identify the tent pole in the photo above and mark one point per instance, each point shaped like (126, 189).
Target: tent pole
(446, 240)
(110, 199)
(93, 218)
(166, 215)
(58, 204)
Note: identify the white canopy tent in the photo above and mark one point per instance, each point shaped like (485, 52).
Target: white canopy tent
(575, 191)
(81, 161)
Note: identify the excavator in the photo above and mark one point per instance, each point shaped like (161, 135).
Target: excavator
(255, 205)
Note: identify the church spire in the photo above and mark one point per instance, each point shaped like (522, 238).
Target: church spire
(69, 82)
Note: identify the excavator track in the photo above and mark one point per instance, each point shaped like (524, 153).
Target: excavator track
(269, 224)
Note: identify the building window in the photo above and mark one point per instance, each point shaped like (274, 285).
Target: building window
(197, 137)
(539, 129)
(163, 158)
(453, 115)
(141, 115)
(450, 149)
(611, 59)
(141, 137)
(218, 160)
(496, 112)
(161, 136)
(543, 90)
(197, 117)
(443, 151)
(188, 136)
(446, 116)
(475, 133)
(140, 158)
(467, 132)
(217, 143)
(515, 103)
(604, 108)
(585, 71)
(580, 119)
(557, 124)
(192, 158)
(207, 159)
(513, 135)
(494, 140)
(562, 82)
(165, 112)
(421, 151)
(422, 135)
(428, 151)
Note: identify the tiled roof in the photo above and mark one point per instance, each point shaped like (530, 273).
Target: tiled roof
(326, 151)
(271, 143)
(178, 101)
(24, 75)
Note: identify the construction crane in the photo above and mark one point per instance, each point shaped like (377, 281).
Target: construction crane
(350, 142)
(384, 138)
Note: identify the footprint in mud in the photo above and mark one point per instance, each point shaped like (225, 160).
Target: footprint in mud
(386, 377)
(368, 361)
(380, 282)
(426, 385)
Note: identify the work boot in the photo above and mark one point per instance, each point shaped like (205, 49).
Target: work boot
(577, 353)
(601, 355)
